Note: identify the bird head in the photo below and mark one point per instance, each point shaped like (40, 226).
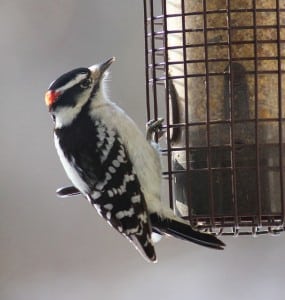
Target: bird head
(67, 95)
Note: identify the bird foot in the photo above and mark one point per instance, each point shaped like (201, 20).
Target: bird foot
(154, 127)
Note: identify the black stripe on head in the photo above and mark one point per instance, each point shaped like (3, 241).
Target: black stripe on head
(69, 86)
(68, 77)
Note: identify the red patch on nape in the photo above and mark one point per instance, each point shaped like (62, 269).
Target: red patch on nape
(50, 97)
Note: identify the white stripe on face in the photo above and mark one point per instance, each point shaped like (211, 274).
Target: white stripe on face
(72, 82)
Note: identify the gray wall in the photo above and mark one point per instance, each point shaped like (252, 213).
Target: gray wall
(60, 249)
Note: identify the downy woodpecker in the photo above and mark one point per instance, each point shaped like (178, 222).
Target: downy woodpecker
(110, 162)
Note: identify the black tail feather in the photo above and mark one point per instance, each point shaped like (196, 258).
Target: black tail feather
(184, 231)
(144, 246)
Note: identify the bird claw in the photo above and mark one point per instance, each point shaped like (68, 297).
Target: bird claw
(152, 127)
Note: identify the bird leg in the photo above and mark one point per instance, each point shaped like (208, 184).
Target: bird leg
(154, 127)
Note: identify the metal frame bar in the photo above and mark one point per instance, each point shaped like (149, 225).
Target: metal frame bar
(157, 75)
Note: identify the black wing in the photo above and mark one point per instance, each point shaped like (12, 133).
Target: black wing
(100, 158)
(121, 202)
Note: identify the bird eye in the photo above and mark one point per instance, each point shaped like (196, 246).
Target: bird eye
(86, 83)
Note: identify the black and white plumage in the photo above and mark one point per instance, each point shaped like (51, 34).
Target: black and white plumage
(109, 161)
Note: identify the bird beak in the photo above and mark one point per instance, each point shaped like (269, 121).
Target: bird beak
(98, 70)
(105, 65)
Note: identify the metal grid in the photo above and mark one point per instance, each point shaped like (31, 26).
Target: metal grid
(214, 71)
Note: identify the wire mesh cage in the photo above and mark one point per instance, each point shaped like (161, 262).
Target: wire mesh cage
(214, 71)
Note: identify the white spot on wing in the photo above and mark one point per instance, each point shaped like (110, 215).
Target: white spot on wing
(143, 217)
(120, 159)
(111, 140)
(136, 199)
(110, 193)
(132, 230)
(116, 163)
(100, 185)
(108, 176)
(95, 195)
(101, 137)
(109, 206)
(112, 170)
(127, 178)
(104, 155)
(122, 153)
(140, 232)
(125, 213)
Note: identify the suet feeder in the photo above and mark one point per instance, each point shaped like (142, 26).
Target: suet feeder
(215, 71)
